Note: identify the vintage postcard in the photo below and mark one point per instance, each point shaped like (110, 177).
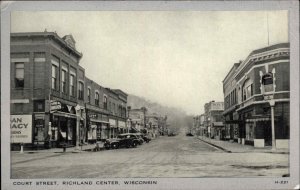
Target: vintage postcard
(150, 95)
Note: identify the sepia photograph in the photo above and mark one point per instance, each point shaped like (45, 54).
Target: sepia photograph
(137, 98)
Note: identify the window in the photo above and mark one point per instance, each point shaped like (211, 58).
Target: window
(54, 77)
(63, 82)
(105, 102)
(39, 106)
(72, 87)
(19, 78)
(247, 90)
(89, 95)
(97, 98)
(80, 90)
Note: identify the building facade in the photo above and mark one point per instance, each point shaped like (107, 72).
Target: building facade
(254, 111)
(214, 119)
(137, 118)
(50, 90)
(97, 113)
(230, 90)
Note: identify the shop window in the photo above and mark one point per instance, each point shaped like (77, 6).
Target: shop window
(63, 82)
(72, 86)
(39, 130)
(54, 77)
(249, 131)
(19, 77)
(80, 91)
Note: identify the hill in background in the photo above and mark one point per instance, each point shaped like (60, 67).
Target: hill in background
(177, 118)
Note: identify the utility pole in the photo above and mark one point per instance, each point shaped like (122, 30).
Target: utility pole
(268, 29)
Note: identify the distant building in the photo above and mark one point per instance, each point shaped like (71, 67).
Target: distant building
(138, 119)
(214, 119)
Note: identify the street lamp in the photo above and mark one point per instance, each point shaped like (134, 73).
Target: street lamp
(268, 89)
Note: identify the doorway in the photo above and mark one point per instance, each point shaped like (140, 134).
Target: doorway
(267, 133)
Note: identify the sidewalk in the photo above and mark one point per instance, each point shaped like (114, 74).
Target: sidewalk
(85, 147)
(239, 148)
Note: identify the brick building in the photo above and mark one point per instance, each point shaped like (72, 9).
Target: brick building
(49, 88)
(97, 111)
(254, 113)
(230, 90)
(49, 97)
(214, 119)
(137, 118)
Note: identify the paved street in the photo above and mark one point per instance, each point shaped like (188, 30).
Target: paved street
(178, 156)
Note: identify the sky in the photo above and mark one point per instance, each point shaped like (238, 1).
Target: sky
(175, 58)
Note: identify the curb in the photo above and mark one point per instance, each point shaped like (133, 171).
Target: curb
(226, 150)
(219, 147)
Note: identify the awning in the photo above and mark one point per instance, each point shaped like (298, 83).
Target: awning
(232, 121)
(63, 114)
(134, 129)
(98, 121)
(218, 124)
(122, 124)
(258, 119)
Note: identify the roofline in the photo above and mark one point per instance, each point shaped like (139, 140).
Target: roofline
(122, 92)
(235, 65)
(45, 34)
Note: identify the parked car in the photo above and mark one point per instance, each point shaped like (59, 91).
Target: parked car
(123, 140)
(189, 134)
(171, 134)
(144, 137)
(141, 140)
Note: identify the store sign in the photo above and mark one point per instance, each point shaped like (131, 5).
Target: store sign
(112, 123)
(267, 81)
(55, 105)
(21, 128)
(121, 124)
(217, 106)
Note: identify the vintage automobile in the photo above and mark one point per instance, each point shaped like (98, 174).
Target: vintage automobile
(144, 137)
(123, 140)
(139, 137)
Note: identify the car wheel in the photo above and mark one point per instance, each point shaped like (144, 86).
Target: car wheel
(114, 146)
(134, 144)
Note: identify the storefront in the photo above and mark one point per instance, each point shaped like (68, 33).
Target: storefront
(39, 130)
(63, 129)
(62, 125)
(218, 130)
(113, 128)
(97, 126)
(122, 127)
